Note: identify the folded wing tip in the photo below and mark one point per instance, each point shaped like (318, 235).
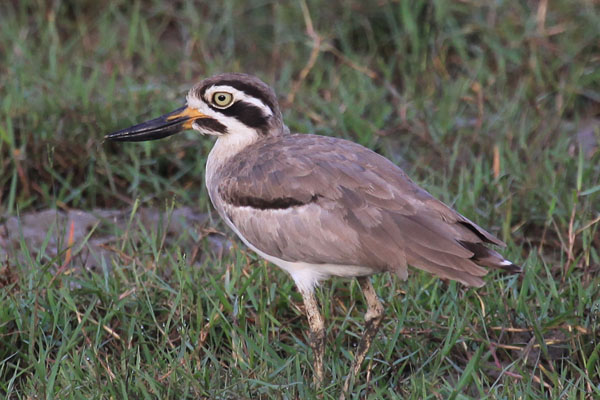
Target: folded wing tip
(509, 266)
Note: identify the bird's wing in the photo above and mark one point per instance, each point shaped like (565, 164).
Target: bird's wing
(324, 200)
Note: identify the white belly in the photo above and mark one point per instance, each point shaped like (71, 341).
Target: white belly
(306, 275)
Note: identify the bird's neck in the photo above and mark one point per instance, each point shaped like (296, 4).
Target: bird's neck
(228, 146)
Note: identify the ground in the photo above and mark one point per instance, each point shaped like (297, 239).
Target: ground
(494, 107)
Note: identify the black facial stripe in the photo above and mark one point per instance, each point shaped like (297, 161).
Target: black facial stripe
(211, 124)
(248, 114)
(250, 90)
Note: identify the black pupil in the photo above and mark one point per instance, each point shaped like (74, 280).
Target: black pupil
(221, 97)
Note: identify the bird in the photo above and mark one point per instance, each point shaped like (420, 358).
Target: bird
(320, 206)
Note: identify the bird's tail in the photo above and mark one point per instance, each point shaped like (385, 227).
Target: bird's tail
(490, 258)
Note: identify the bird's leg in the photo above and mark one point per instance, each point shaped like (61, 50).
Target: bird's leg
(317, 333)
(373, 319)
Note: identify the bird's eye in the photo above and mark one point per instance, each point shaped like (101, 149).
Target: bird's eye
(222, 99)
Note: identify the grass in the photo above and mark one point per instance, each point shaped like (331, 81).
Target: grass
(485, 105)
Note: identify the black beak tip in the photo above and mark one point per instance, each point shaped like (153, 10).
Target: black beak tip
(115, 137)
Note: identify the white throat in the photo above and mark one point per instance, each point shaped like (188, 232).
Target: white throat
(230, 144)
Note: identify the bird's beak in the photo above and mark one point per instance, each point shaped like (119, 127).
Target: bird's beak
(158, 128)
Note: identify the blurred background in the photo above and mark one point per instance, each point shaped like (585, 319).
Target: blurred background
(117, 281)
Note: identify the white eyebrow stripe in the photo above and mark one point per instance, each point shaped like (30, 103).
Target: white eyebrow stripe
(237, 95)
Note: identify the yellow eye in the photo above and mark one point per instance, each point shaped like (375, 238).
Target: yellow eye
(222, 99)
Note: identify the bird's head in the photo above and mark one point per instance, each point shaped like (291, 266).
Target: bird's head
(225, 104)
